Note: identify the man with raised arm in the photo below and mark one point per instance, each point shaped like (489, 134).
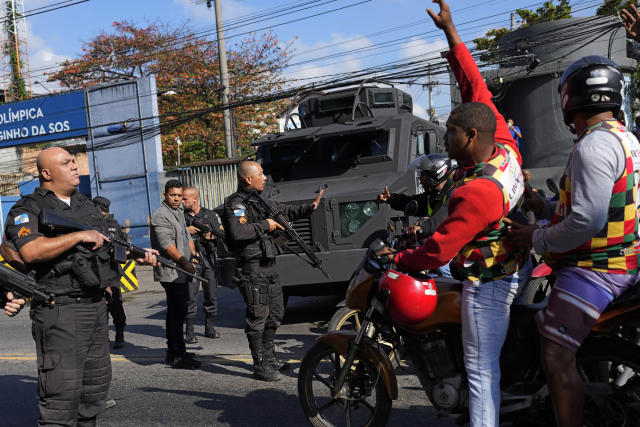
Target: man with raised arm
(489, 186)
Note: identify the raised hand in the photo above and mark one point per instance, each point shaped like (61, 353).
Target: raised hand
(631, 22)
(443, 19)
(385, 196)
(316, 202)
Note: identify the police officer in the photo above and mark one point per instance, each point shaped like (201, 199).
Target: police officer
(436, 177)
(205, 242)
(251, 234)
(114, 295)
(72, 344)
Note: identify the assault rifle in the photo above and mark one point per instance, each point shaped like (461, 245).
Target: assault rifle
(206, 228)
(289, 231)
(21, 284)
(55, 222)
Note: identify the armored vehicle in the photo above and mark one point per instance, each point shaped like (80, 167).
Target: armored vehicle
(352, 142)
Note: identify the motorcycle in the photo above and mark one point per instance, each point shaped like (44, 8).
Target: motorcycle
(347, 377)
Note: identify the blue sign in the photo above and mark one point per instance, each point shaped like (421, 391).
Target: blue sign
(43, 119)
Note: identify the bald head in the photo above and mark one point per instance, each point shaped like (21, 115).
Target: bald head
(57, 171)
(191, 199)
(250, 176)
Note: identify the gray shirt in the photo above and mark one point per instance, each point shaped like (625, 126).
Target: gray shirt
(168, 227)
(594, 165)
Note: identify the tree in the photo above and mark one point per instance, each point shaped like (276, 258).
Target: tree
(547, 12)
(187, 72)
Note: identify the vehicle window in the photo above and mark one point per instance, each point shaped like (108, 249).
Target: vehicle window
(324, 156)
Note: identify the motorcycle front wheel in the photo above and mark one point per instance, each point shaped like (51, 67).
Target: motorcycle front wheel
(363, 400)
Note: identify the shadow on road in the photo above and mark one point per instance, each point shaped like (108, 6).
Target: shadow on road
(24, 397)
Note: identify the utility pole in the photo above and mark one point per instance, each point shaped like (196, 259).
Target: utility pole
(224, 78)
(430, 85)
(513, 21)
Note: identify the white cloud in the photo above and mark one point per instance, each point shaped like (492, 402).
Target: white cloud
(42, 58)
(417, 47)
(198, 10)
(336, 43)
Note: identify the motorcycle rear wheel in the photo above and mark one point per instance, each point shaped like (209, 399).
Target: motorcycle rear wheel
(610, 369)
(365, 401)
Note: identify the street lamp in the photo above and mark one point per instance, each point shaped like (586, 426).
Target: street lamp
(179, 142)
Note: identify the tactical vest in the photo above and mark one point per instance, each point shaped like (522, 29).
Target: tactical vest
(261, 249)
(614, 249)
(490, 255)
(56, 275)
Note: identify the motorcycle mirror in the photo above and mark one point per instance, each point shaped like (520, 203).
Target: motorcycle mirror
(391, 227)
(551, 185)
(411, 208)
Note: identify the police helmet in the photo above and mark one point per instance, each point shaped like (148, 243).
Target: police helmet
(591, 83)
(436, 166)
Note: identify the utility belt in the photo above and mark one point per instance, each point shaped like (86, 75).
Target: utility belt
(87, 298)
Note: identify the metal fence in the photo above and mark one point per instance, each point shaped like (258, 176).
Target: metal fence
(214, 181)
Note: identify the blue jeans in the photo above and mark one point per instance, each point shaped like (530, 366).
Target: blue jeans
(485, 320)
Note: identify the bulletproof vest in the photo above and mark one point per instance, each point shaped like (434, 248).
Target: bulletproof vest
(80, 270)
(261, 248)
(203, 246)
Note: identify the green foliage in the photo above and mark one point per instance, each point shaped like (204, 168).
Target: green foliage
(187, 75)
(612, 7)
(547, 12)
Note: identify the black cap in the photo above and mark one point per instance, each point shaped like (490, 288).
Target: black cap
(102, 203)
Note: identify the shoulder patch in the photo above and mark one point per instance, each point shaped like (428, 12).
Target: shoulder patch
(239, 206)
(24, 232)
(238, 212)
(21, 219)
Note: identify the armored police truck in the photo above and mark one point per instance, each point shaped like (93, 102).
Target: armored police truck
(352, 143)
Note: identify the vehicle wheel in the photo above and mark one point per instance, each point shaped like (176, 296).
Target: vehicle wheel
(364, 400)
(349, 319)
(610, 369)
(537, 290)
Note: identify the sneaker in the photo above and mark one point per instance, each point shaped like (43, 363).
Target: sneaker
(185, 363)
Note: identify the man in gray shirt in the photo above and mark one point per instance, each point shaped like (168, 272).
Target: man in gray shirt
(170, 237)
(592, 242)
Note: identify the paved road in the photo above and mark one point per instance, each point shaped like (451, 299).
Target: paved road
(221, 393)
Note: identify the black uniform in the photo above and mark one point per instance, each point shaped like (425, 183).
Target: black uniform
(206, 267)
(431, 206)
(72, 344)
(255, 251)
(116, 310)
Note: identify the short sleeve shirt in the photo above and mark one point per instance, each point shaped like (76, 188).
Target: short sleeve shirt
(22, 221)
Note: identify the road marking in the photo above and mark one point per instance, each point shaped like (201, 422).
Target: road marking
(160, 357)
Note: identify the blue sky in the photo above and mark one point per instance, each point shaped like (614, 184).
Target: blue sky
(57, 35)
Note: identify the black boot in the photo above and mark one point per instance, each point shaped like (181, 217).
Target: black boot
(269, 346)
(261, 370)
(190, 335)
(209, 330)
(119, 342)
